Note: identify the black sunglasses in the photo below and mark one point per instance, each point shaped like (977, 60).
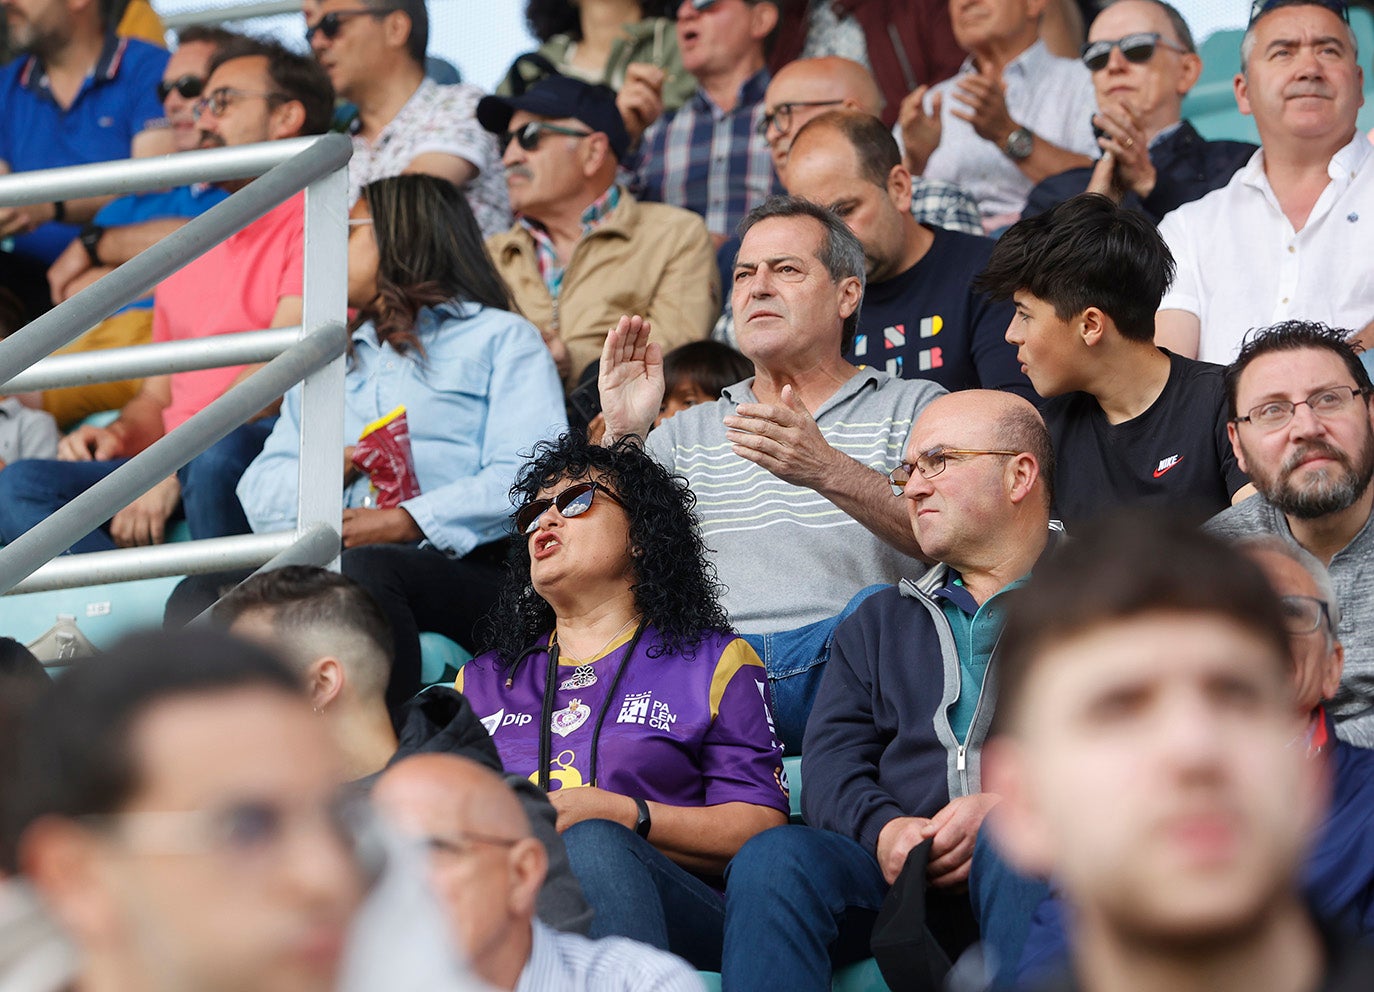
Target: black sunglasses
(188, 86)
(332, 23)
(1135, 48)
(573, 501)
(529, 134)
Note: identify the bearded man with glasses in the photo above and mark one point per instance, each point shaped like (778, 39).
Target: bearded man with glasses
(583, 250)
(1302, 425)
(1143, 63)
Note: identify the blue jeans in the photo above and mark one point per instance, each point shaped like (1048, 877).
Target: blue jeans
(1004, 901)
(795, 661)
(32, 490)
(636, 892)
(810, 896)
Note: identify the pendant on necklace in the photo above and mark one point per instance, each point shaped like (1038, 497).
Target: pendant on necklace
(583, 677)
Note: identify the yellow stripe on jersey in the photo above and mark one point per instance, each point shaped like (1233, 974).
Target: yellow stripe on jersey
(737, 654)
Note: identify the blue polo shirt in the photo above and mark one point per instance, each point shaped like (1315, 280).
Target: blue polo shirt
(116, 102)
(976, 630)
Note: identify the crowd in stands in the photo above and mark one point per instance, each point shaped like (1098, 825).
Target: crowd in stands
(901, 385)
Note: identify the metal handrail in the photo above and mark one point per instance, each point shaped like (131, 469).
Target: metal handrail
(293, 167)
(312, 353)
(141, 360)
(52, 536)
(237, 12)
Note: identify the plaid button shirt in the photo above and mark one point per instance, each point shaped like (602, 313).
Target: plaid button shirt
(708, 160)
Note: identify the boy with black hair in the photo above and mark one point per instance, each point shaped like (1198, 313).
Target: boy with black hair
(1131, 422)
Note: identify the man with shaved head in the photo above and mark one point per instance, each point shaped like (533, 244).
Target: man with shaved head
(487, 868)
(920, 318)
(807, 88)
(892, 749)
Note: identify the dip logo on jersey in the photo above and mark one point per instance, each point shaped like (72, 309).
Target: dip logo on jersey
(501, 719)
(894, 340)
(642, 708)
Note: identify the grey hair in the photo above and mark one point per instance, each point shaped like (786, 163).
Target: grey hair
(1310, 563)
(840, 251)
(1247, 43)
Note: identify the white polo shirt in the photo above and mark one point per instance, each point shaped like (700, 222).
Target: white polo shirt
(1053, 97)
(1241, 264)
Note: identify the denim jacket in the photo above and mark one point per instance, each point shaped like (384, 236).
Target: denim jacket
(483, 392)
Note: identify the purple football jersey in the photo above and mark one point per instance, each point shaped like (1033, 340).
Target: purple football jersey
(692, 729)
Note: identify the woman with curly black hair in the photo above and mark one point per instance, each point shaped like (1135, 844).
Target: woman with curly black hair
(597, 41)
(616, 685)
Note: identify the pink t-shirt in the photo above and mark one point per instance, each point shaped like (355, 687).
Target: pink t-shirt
(235, 286)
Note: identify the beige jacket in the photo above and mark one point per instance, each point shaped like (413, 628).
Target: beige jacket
(645, 258)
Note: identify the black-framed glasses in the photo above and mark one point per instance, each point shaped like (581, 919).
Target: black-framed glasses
(931, 463)
(188, 87)
(529, 134)
(572, 501)
(1135, 48)
(780, 116)
(223, 98)
(1325, 403)
(1304, 614)
(332, 23)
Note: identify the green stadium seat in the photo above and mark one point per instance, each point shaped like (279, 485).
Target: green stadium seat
(862, 976)
(440, 659)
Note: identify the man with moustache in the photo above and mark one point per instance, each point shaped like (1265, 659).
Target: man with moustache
(1301, 409)
(256, 91)
(583, 250)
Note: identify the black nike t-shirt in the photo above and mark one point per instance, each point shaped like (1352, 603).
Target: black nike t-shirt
(1175, 454)
(929, 323)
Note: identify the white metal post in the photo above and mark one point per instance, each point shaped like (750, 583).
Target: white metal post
(325, 301)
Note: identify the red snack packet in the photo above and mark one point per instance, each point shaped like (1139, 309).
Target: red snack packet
(383, 453)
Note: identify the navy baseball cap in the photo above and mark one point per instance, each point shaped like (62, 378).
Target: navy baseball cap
(560, 96)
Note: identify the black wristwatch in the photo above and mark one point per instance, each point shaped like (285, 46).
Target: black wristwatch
(645, 822)
(90, 240)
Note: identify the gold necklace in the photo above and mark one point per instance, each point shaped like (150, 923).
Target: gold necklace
(596, 654)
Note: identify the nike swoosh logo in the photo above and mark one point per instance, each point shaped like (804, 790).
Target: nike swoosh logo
(1160, 471)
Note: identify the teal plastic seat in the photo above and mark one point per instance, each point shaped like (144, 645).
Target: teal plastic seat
(791, 766)
(440, 659)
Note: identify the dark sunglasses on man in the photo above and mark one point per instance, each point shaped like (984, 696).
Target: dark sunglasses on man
(188, 87)
(528, 134)
(1136, 48)
(332, 23)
